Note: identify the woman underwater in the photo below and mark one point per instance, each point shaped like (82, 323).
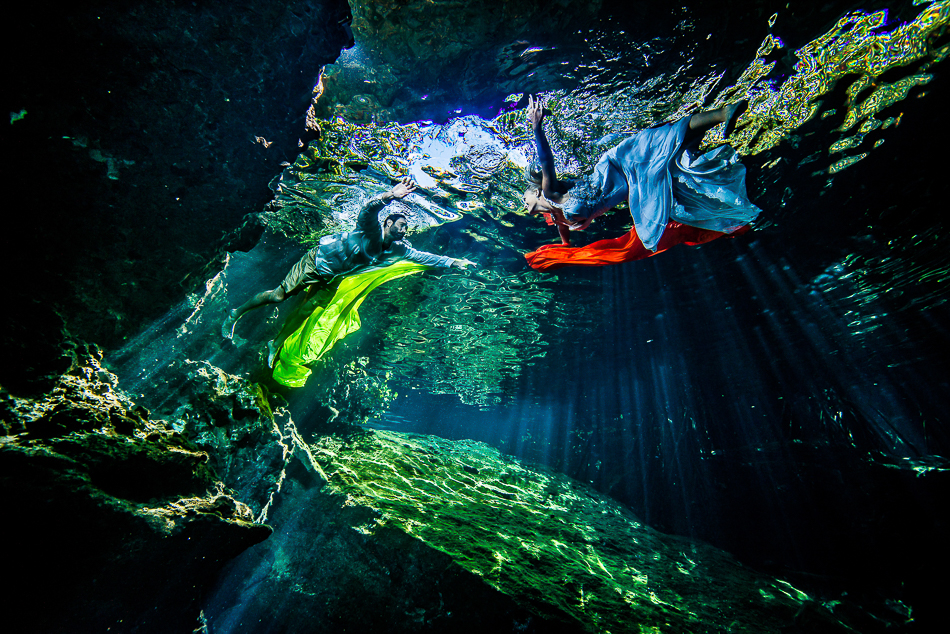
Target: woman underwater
(676, 194)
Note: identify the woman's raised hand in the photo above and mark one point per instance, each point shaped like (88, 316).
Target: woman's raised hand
(535, 111)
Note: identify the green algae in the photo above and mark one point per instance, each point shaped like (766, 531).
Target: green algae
(554, 545)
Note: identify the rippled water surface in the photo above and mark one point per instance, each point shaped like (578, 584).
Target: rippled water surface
(725, 391)
(475, 334)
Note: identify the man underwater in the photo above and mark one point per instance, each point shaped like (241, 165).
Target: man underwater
(369, 245)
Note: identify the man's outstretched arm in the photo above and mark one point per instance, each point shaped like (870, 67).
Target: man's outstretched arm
(430, 259)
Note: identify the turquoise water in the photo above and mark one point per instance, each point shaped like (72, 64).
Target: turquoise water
(780, 396)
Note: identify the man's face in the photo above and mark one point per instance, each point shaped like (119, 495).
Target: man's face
(398, 229)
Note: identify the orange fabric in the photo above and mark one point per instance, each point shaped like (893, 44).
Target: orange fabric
(626, 248)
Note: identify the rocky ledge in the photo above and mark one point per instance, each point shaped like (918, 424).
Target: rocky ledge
(408, 533)
(139, 524)
(114, 519)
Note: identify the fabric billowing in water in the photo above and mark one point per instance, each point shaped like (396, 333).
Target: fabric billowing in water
(626, 248)
(663, 181)
(334, 318)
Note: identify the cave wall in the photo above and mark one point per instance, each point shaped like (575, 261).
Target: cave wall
(141, 135)
(114, 519)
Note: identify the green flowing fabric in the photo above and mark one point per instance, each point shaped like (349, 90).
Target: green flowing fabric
(334, 318)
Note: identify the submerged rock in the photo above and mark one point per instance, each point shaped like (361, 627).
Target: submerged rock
(121, 520)
(434, 60)
(249, 442)
(555, 545)
(372, 530)
(417, 533)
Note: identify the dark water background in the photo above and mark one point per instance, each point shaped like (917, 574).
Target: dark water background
(782, 395)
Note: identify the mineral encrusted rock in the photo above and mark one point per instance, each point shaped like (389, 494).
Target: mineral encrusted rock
(120, 519)
(249, 442)
(431, 532)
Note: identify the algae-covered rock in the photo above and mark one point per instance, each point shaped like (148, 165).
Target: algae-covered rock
(417, 533)
(318, 574)
(121, 519)
(554, 545)
(249, 441)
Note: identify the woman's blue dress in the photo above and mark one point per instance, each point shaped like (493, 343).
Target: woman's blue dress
(661, 181)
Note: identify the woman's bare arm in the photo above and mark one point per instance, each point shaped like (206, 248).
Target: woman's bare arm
(550, 185)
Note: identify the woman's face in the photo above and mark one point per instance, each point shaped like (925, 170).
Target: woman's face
(533, 203)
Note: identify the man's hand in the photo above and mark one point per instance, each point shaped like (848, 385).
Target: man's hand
(403, 189)
(463, 263)
(535, 111)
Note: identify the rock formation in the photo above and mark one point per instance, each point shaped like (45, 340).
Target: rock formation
(453, 536)
(145, 133)
(114, 519)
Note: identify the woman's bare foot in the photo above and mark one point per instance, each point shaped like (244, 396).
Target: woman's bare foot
(733, 112)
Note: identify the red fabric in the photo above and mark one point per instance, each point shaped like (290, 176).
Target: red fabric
(626, 248)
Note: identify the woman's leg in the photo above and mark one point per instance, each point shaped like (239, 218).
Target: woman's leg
(701, 122)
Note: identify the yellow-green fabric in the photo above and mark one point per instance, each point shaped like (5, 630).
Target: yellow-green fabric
(334, 318)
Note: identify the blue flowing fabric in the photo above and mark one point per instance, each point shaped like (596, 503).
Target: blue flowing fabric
(662, 181)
